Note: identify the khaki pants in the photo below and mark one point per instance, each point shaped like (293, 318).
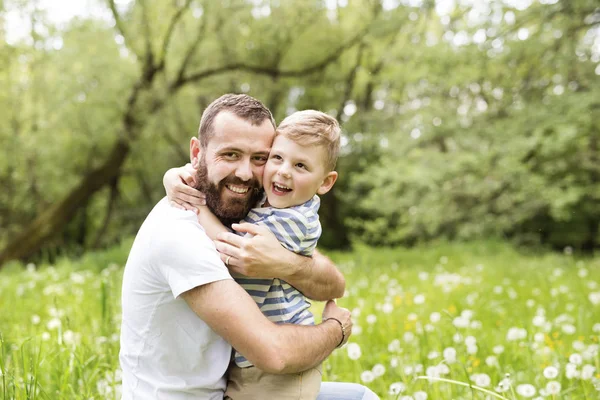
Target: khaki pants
(253, 384)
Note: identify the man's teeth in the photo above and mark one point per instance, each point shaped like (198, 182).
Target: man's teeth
(235, 189)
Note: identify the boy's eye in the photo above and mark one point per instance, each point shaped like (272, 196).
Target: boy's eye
(301, 165)
(276, 157)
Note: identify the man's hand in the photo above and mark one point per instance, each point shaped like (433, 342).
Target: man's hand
(178, 183)
(258, 256)
(342, 315)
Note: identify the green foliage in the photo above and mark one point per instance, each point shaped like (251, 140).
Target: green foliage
(481, 120)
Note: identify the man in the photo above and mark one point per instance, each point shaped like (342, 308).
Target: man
(182, 311)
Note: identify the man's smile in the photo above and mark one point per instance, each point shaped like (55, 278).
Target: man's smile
(238, 189)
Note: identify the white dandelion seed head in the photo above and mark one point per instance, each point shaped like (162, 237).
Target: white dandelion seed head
(409, 370)
(35, 319)
(498, 349)
(491, 361)
(432, 372)
(594, 297)
(550, 372)
(353, 350)
(539, 320)
(419, 299)
(539, 337)
(371, 319)
(516, 333)
(449, 355)
(433, 355)
(378, 370)
(420, 395)
(367, 376)
(553, 387)
(397, 388)
(587, 372)
(470, 340)
(394, 362)
(408, 337)
(576, 359)
(481, 380)
(387, 308)
(526, 390)
(571, 371)
(394, 346)
(436, 316)
(578, 345)
(568, 329)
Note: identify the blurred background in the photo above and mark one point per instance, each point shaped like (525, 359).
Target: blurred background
(462, 119)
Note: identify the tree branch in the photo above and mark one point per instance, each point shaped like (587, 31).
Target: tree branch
(120, 27)
(170, 30)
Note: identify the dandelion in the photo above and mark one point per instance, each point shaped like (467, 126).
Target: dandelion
(568, 329)
(412, 317)
(553, 387)
(356, 330)
(371, 319)
(476, 325)
(394, 362)
(472, 349)
(550, 372)
(436, 316)
(432, 372)
(571, 371)
(433, 355)
(526, 390)
(449, 355)
(378, 370)
(578, 345)
(460, 322)
(54, 323)
(397, 388)
(491, 361)
(35, 319)
(594, 298)
(458, 338)
(419, 299)
(387, 308)
(503, 385)
(539, 320)
(367, 376)
(353, 350)
(530, 303)
(420, 395)
(576, 359)
(45, 336)
(443, 369)
(499, 349)
(587, 372)
(482, 380)
(409, 337)
(539, 337)
(515, 333)
(394, 346)
(409, 370)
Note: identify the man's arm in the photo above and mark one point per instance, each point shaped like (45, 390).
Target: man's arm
(278, 349)
(262, 255)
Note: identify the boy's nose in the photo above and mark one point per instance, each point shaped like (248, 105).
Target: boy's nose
(284, 172)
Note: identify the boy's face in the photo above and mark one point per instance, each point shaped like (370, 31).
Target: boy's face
(294, 173)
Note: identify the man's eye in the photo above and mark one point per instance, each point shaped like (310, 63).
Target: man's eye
(260, 159)
(231, 156)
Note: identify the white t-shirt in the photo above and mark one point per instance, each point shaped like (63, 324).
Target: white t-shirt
(167, 351)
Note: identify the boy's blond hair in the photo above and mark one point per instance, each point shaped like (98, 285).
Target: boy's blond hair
(310, 127)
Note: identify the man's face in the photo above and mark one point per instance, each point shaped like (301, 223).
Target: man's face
(230, 169)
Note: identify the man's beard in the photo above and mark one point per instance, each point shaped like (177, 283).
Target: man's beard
(230, 210)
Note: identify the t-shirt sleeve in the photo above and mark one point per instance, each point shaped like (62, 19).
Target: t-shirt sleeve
(187, 258)
(297, 229)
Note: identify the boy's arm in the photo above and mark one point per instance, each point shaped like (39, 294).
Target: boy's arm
(211, 224)
(179, 184)
(262, 255)
(273, 348)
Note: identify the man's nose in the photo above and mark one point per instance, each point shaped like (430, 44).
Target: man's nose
(244, 171)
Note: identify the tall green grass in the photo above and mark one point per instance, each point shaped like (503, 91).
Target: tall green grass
(445, 321)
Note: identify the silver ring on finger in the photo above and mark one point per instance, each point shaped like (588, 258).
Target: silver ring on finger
(227, 260)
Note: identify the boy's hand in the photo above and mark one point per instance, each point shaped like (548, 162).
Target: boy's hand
(341, 314)
(178, 183)
(258, 256)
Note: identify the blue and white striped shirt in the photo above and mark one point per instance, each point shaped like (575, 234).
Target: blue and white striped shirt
(298, 230)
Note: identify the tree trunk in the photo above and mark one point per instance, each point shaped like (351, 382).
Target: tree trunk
(55, 218)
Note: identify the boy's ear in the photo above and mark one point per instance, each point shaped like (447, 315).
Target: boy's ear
(195, 152)
(328, 182)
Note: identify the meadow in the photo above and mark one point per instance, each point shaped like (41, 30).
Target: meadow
(445, 321)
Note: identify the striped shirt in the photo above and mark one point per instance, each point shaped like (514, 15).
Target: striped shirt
(298, 230)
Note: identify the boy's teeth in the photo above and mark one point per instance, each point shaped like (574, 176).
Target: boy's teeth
(237, 189)
(278, 186)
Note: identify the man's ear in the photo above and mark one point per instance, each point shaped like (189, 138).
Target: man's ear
(328, 182)
(195, 152)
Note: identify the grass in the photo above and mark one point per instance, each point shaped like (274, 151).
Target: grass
(446, 321)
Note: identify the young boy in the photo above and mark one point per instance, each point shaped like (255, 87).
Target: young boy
(299, 168)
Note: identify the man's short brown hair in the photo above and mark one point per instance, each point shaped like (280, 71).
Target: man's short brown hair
(241, 105)
(310, 127)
